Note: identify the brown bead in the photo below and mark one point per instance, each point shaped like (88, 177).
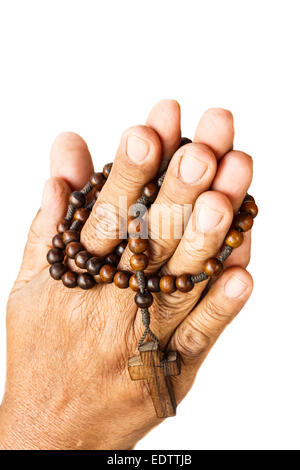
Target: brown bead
(107, 273)
(97, 278)
(138, 245)
(57, 270)
(81, 259)
(153, 283)
(184, 141)
(249, 207)
(234, 238)
(133, 284)
(184, 283)
(106, 169)
(213, 267)
(63, 225)
(139, 262)
(97, 179)
(144, 300)
(121, 279)
(69, 279)
(121, 248)
(248, 198)
(93, 265)
(243, 222)
(85, 281)
(71, 236)
(168, 284)
(73, 248)
(58, 242)
(55, 255)
(135, 227)
(77, 199)
(112, 258)
(82, 215)
(150, 191)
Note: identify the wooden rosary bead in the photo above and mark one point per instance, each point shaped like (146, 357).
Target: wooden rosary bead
(150, 191)
(167, 284)
(248, 198)
(112, 258)
(184, 141)
(134, 227)
(97, 179)
(121, 248)
(81, 259)
(63, 225)
(82, 215)
(71, 236)
(133, 284)
(85, 281)
(55, 255)
(57, 270)
(107, 169)
(77, 199)
(144, 300)
(97, 278)
(234, 238)
(249, 207)
(107, 273)
(139, 262)
(213, 267)
(138, 245)
(243, 222)
(184, 283)
(153, 284)
(57, 241)
(73, 248)
(69, 279)
(93, 265)
(121, 279)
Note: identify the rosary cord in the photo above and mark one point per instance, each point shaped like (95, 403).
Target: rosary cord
(141, 281)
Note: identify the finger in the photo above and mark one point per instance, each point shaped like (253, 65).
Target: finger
(216, 130)
(137, 161)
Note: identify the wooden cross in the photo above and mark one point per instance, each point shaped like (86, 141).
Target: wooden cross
(151, 365)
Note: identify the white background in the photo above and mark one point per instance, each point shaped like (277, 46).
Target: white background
(97, 67)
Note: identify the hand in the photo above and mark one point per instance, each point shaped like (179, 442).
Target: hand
(68, 385)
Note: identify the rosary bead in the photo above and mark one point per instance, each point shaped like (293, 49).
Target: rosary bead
(106, 169)
(55, 255)
(57, 270)
(153, 283)
(243, 222)
(234, 238)
(97, 278)
(63, 225)
(82, 215)
(112, 258)
(73, 248)
(184, 141)
(248, 198)
(121, 279)
(77, 199)
(58, 242)
(97, 179)
(134, 227)
(139, 262)
(168, 284)
(138, 245)
(150, 191)
(121, 248)
(81, 259)
(213, 267)
(184, 283)
(71, 236)
(249, 207)
(69, 279)
(144, 300)
(133, 284)
(93, 265)
(107, 273)
(85, 281)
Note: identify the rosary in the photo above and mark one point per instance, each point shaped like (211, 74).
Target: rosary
(152, 364)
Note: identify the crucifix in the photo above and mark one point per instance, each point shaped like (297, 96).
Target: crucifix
(151, 365)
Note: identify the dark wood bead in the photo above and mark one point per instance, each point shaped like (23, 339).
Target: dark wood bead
(150, 191)
(121, 279)
(213, 267)
(71, 236)
(73, 248)
(135, 227)
(249, 207)
(121, 248)
(69, 279)
(184, 283)
(248, 198)
(107, 273)
(144, 300)
(133, 284)
(112, 258)
(57, 270)
(184, 141)
(138, 245)
(77, 199)
(55, 255)
(153, 283)
(82, 215)
(97, 179)
(107, 169)
(97, 278)
(93, 265)
(81, 259)
(167, 284)
(243, 222)
(85, 281)
(234, 238)
(58, 242)
(139, 262)
(63, 225)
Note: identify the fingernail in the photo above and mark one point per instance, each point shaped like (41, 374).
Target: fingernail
(208, 218)
(234, 287)
(191, 168)
(137, 149)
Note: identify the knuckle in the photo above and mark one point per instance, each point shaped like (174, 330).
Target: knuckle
(104, 223)
(193, 342)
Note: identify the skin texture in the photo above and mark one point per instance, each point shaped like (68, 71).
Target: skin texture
(67, 381)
